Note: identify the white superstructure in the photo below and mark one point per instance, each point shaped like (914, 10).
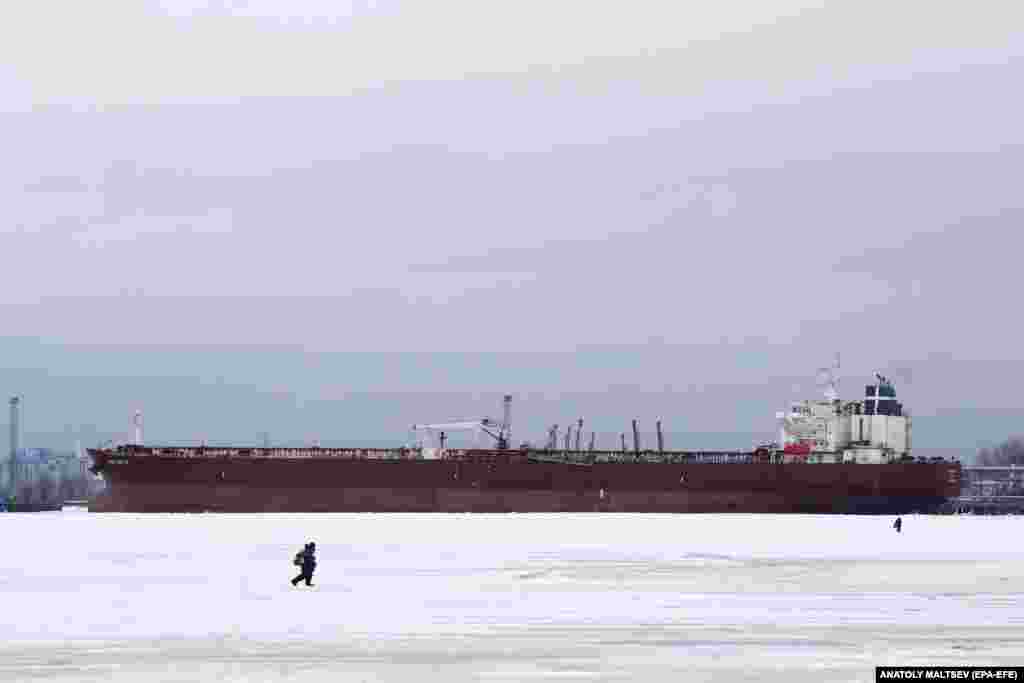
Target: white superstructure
(874, 429)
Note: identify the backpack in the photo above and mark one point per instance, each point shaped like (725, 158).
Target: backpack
(298, 559)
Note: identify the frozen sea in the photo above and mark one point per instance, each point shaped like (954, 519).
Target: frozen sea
(88, 597)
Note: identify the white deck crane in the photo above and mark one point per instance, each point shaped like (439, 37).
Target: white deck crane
(501, 432)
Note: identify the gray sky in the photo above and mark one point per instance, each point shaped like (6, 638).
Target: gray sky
(286, 213)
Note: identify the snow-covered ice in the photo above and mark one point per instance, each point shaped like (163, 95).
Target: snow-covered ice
(88, 597)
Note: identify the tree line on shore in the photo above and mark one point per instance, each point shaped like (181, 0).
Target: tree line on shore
(1009, 452)
(50, 490)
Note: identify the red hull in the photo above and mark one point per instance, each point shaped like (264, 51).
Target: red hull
(512, 483)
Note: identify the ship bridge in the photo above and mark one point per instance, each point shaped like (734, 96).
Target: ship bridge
(872, 429)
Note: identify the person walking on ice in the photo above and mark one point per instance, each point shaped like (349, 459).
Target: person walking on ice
(898, 524)
(307, 560)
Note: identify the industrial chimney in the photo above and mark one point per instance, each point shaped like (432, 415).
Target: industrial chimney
(15, 427)
(15, 434)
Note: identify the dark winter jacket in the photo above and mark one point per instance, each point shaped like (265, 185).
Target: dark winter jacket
(308, 561)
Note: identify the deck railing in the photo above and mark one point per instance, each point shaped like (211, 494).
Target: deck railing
(459, 455)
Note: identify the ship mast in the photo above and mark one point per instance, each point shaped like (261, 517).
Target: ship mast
(137, 424)
(828, 378)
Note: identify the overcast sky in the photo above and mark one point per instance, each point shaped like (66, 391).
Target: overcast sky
(293, 216)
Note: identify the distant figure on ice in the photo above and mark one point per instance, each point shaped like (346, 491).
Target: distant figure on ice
(307, 561)
(898, 524)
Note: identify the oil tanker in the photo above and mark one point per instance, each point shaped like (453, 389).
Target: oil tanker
(832, 456)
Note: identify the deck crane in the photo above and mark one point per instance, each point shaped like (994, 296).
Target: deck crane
(501, 432)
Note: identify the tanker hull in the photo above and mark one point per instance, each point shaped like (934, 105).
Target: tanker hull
(251, 485)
